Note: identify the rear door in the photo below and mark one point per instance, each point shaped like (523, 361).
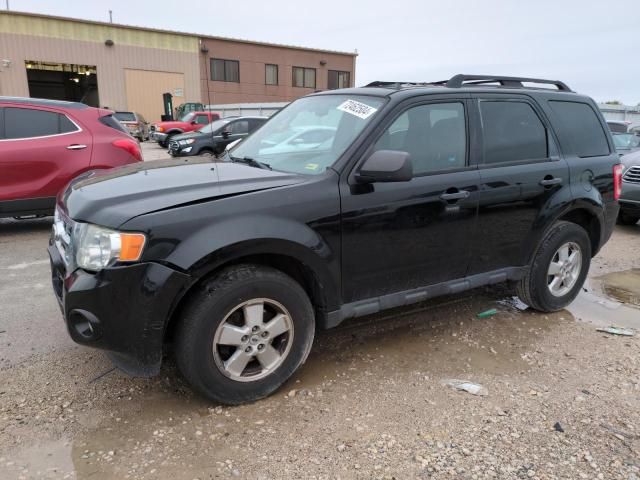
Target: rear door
(521, 169)
(40, 150)
(401, 236)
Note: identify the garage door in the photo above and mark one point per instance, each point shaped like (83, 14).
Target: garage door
(145, 89)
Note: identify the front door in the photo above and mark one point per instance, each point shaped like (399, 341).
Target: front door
(406, 235)
(520, 171)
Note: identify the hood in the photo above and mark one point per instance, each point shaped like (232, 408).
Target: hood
(631, 159)
(112, 197)
(171, 124)
(184, 136)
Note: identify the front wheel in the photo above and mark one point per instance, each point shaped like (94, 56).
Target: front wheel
(558, 270)
(244, 334)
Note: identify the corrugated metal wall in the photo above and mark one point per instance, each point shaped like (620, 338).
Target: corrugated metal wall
(57, 41)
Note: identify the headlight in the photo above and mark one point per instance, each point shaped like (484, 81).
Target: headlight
(98, 247)
(188, 141)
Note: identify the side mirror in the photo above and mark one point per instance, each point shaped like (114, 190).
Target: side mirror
(386, 166)
(193, 122)
(225, 134)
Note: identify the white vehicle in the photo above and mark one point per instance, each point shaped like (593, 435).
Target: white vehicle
(304, 138)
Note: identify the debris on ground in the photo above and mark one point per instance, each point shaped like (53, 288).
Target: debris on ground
(467, 386)
(558, 427)
(625, 332)
(487, 313)
(514, 302)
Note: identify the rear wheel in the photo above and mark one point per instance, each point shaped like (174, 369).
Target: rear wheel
(627, 218)
(558, 270)
(244, 334)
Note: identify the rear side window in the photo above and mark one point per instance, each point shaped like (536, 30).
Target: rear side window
(30, 123)
(579, 125)
(512, 132)
(110, 121)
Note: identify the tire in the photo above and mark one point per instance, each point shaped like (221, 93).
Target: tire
(535, 288)
(202, 354)
(627, 218)
(206, 153)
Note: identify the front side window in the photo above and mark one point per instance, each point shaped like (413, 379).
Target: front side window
(512, 132)
(214, 126)
(433, 135)
(310, 134)
(271, 74)
(339, 79)
(202, 119)
(225, 70)
(240, 127)
(304, 77)
(30, 123)
(579, 124)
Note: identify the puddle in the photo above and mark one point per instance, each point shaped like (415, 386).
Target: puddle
(623, 286)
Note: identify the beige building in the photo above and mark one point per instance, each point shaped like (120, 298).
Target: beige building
(129, 68)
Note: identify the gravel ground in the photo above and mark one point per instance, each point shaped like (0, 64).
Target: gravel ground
(370, 402)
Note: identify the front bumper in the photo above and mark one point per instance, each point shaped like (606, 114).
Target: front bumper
(176, 150)
(123, 310)
(158, 136)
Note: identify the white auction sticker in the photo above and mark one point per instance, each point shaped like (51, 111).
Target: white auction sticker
(360, 110)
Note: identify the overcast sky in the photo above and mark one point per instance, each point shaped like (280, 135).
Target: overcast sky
(592, 45)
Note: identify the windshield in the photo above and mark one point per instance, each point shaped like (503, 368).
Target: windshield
(626, 140)
(125, 116)
(213, 126)
(310, 134)
(187, 117)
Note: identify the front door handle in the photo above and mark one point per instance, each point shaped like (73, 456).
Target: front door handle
(549, 181)
(76, 146)
(455, 195)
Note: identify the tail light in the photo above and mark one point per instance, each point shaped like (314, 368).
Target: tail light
(617, 181)
(130, 146)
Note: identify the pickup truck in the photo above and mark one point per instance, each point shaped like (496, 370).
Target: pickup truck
(161, 132)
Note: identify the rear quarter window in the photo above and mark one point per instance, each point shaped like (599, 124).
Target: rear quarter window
(580, 128)
(110, 121)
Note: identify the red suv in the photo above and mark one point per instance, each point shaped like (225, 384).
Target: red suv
(45, 143)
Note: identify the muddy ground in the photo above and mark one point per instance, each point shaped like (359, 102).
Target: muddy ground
(563, 399)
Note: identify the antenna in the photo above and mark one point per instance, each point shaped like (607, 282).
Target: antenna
(110, 15)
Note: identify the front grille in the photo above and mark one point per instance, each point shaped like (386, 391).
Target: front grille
(173, 145)
(632, 175)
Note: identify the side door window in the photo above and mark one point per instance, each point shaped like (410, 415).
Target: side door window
(202, 120)
(434, 135)
(241, 127)
(30, 123)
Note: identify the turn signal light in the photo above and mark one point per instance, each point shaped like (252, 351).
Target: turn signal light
(131, 246)
(617, 181)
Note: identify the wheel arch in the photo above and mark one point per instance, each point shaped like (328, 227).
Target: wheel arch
(288, 257)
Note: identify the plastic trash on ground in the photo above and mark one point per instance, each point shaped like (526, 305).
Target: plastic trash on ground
(514, 302)
(487, 313)
(467, 386)
(625, 332)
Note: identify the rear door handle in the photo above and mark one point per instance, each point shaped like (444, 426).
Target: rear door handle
(455, 195)
(76, 146)
(547, 182)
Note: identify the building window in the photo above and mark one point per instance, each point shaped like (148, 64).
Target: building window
(271, 74)
(225, 70)
(339, 79)
(304, 77)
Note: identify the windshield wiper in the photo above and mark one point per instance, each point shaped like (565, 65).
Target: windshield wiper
(251, 162)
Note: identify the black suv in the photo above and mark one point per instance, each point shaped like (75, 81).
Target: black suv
(213, 138)
(421, 190)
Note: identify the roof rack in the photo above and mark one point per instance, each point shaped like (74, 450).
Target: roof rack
(461, 80)
(383, 84)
